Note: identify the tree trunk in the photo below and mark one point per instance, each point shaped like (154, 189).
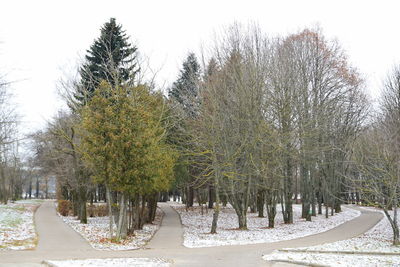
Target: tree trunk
(242, 218)
(37, 187)
(394, 225)
(46, 188)
(271, 209)
(326, 210)
(253, 203)
(110, 213)
(75, 205)
(30, 187)
(190, 196)
(313, 206)
(82, 205)
(3, 186)
(122, 228)
(319, 198)
(338, 207)
(214, 223)
(303, 209)
(216, 191)
(211, 197)
(308, 212)
(287, 192)
(288, 212)
(260, 203)
(152, 208)
(271, 216)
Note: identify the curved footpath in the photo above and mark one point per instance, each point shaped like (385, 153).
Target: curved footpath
(57, 241)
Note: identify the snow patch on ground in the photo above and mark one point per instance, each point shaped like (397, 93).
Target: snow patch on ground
(377, 240)
(120, 262)
(17, 228)
(97, 233)
(197, 227)
(332, 259)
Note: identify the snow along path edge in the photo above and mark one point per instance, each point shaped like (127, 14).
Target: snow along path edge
(335, 259)
(110, 262)
(350, 252)
(196, 227)
(376, 241)
(132, 243)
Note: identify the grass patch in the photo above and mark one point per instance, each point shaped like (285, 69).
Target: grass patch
(11, 222)
(29, 243)
(17, 229)
(16, 208)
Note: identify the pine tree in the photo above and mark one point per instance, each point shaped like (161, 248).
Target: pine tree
(186, 89)
(111, 58)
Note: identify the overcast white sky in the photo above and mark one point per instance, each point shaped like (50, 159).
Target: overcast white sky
(39, 40)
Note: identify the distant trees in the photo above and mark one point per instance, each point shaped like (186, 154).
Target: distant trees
(58, 153)
(10, 165)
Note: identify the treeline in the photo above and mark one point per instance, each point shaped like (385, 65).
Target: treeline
(258, 123)
(12, 173)
(268, 122)
(20, 176)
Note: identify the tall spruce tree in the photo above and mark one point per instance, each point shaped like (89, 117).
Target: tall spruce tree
(185, 92)
(111, 58)
(186, 89)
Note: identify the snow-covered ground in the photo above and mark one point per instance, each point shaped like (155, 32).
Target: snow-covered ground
(17, 228)
(377, 240)
(197, 227)
(334, 259)
(120, 262)
(96, 231)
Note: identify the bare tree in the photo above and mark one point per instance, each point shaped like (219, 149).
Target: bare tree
(8, 139)
(377, 172)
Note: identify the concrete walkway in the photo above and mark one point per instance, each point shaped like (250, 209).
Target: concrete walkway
(58, 241)
(54, 234)
(170, 233)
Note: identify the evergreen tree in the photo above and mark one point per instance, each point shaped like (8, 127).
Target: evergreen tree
(185, 92)
(211, 69)
(111, 58)
(124, 144)
(186, 89)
